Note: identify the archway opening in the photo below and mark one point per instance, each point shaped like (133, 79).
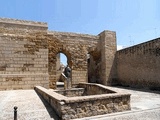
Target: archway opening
(91, 69)
(93, 64)
(61, 63)
(63, 59)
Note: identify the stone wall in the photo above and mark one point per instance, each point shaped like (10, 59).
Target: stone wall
(85, 90)
(23, 57)
(139, 66)
(108, 53)
(94, 89)
(76, 47)
(74, 92)
(28, 48)
(14, 26)
(84, 106)
(28, 57)
(21, 65)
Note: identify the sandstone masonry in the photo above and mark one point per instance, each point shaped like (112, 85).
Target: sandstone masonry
(139, 65)
(29, 55)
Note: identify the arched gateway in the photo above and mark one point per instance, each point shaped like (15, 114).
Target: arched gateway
(32, 51)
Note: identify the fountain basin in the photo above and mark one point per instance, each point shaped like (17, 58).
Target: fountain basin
(86, 100)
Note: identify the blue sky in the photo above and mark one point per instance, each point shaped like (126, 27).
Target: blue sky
(134, 21)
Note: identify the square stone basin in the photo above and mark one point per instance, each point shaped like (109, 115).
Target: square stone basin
(85, 90)
(87, 99)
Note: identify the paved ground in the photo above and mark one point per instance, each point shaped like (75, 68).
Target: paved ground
(30, 106)
(145, 106)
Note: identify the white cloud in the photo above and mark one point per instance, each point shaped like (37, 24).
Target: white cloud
(119, 47)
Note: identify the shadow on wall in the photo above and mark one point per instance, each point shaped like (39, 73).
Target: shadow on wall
(94, 68)
(113, 80)
(95, 71)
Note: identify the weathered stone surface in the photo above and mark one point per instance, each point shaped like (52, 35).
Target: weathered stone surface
(24, 62)
(73, 92)
(27, 47)
(84, 106)
(139, 65)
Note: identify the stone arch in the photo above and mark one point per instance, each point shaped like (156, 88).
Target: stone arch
(67, 54)
(60, 69)
(55, 47)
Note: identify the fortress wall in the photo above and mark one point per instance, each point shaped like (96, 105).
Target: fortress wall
(108, 49)
(76, 47)
(28, 54)
(79, 47)
(23, 57)
(23, 63)
(139, 65)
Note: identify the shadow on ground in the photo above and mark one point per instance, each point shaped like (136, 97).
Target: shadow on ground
(148, 90)
(50, 110)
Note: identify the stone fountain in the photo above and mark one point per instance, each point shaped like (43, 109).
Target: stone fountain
(86, 99)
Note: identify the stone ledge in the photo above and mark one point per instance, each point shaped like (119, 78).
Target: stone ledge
(50, 93)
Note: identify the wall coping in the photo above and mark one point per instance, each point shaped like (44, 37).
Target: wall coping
(23, 22)
(71, 34)
(140, 44)
(65, 99)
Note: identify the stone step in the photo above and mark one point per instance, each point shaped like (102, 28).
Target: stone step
(60, 84)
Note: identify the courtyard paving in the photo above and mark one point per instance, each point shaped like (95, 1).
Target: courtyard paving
(145, 105)
(30, 106)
